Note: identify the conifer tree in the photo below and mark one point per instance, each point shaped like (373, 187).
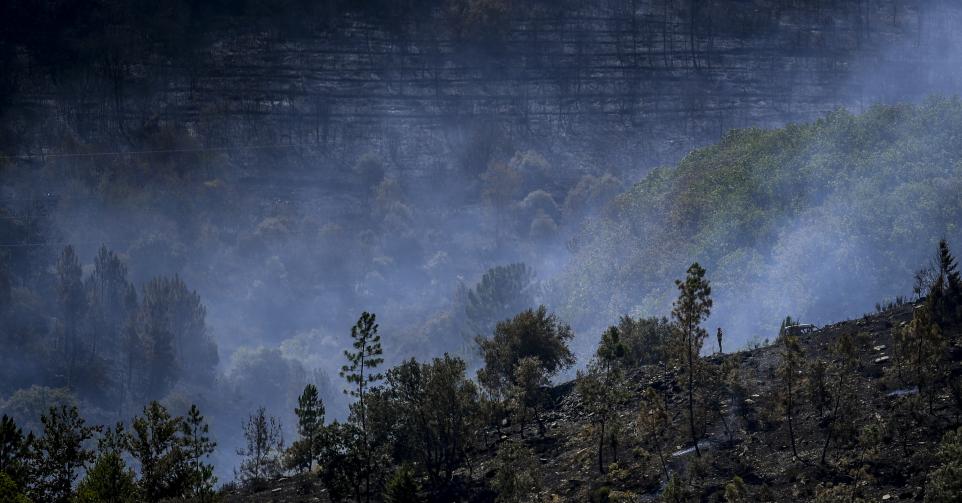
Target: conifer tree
(310, 422)
(198, 445)
(360, 372)
(73, 305)
(110, 480)
(791, 353)
(691, 308)
(14, 451)
(155, 442)
(60, 454)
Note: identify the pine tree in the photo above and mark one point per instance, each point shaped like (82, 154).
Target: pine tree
(791, 353)
(73, 305)
(14, 451)
(691, 308)
(60, 454)
(110, 480)
(360, 373)
(310, 422)
(155, 442)
(197, 446)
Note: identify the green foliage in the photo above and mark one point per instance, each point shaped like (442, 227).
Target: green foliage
(675, 491)
(601, 389)
(342, 461)
(530, 333)
(945, 295)
(502, 292)
(198, 445)
(765, 211)
(403, 487)
(310, 426)
(945, 482)
(73, 305)
(528, 393)
(611, 351)
(108, 481)
(14, 451)
(645, 339)
(155, 443)
(9, 490)
(59, 455)
(430, 411)
(360, 373)
(735, 491)
(518, 477)
(361, 363)
(173, 322)
(692, 307)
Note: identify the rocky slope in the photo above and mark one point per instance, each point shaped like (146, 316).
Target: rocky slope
(891, 467)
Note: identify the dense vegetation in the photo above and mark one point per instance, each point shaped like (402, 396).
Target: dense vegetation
(415, 432)
(818, 219)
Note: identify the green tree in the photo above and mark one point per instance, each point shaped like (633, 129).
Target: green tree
(528, 395)
(945, 295)
(155, 443)
(502, 292)
(10, 492)
(342, 461)
(60, 454)
(73, 304)
(924, 347)
(432, 410)
(517, 475)
(197, 446)
(945, 482)
(402, 487)
(110, 480)
(530, 333)
(14, 451)
(788, 373)
(113, 301)
(675, 491)
(360, 372)
(611, 351)
(175, 311)
(735, 491)
(310, 424)
(691, 308)
(262, 449)
(645, 339)
(601, 390)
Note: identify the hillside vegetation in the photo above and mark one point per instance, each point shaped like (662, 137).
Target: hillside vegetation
(821, 219)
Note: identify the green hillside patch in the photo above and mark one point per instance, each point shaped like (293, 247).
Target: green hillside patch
(812, 220)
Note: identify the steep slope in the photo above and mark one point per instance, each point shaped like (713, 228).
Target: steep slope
(883, 451)
(812, 220)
